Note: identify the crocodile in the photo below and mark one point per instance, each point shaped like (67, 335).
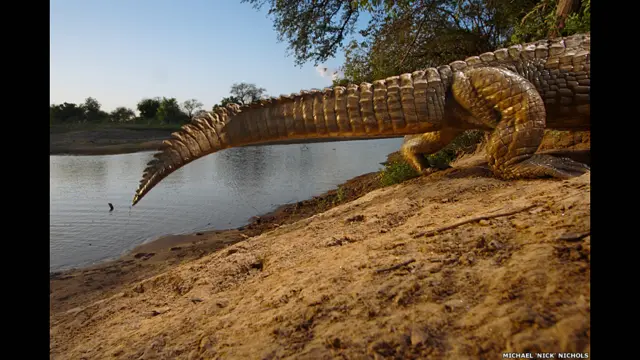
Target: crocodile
(514, 93)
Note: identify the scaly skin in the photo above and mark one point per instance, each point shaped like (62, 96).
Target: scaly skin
(515, 93)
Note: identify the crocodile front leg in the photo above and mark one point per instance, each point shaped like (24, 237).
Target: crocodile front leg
(415, 147)
(510, 104)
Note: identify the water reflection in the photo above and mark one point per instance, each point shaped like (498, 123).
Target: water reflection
(77, 169)
(219, 191)
(247, 167)
(303, 167)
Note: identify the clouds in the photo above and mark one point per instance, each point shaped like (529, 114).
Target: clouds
(328, 72)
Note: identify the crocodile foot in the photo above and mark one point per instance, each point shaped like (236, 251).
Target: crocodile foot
(546, 166)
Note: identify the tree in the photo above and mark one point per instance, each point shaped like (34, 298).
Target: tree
(200, 113)
(226, 101)
(314, 29)
(246, 93)
(66, 113)
(122, 114)
(406, 35)
(190, 106)
(169, 112)
(92, 112)
(91, 105)
(148, 108)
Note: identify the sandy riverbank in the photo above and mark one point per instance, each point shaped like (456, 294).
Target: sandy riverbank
(314, 279)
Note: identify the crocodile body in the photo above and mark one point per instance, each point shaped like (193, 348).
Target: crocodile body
(515, 93)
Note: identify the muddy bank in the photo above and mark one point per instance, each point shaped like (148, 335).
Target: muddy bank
(106, 141)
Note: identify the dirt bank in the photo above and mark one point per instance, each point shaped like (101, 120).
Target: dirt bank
(367, 278)
(106, 141)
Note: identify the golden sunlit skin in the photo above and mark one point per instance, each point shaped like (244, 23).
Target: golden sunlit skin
(515, 93)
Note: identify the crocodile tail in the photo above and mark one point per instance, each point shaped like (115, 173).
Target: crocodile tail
(400, 105)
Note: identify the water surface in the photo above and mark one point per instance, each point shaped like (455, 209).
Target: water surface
(220, 191)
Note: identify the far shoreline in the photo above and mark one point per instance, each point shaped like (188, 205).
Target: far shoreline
(119, 149)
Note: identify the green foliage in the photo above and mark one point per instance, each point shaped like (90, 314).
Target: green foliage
(148, 108)
(66, 113)
(407, 35)
(395, 172)
(226, 101)
(92, 112)
(398, 170)
(580, 21)
(170, 112)
(153, 112)
(341, 195)
(465, 143)
(122, 115)
(246, 93)
(242, 94)
(313, 29)
(542, 22)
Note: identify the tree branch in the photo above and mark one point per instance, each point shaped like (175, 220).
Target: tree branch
(475, 219)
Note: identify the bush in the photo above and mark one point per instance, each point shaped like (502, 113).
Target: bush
(542, 21)
(395, 172)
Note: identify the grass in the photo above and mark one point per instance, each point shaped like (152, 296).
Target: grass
(395, 172)
(463, 144)
(340, 195)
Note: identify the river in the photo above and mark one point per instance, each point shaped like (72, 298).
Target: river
(220, 191)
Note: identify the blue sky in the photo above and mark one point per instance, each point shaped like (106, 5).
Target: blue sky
(121, 51)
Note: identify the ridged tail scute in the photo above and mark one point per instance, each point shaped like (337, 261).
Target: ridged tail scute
(203, 136)
(399, 105)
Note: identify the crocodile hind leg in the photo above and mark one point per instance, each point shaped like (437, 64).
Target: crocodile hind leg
(415, 147)
(510, 104)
